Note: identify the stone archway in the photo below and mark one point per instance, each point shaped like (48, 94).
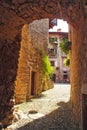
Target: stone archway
(13, 15)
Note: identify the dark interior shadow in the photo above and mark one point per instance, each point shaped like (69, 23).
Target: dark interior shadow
(59, 119)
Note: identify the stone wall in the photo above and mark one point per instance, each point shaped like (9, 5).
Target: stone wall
(9, 52)
(77, 75)
(17, 13)
(13, 15)
(84, 72)
(38, 30)
(23, 68)
(34, 41)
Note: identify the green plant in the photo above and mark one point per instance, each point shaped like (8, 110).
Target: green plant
(67, 62)
(65, 46)
(47, 68)
(52, 40)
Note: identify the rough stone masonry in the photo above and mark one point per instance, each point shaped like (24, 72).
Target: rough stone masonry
(13, 15)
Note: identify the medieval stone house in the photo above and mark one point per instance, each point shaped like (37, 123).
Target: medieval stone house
(30, 79)
(57, 57)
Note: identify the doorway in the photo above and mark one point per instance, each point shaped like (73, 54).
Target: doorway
(33, 77)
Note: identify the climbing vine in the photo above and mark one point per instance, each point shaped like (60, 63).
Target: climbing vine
(67, 61)
(52, 40)
(65, 47)
(47, 68)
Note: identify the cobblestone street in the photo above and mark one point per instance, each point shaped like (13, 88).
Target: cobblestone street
(52, 111)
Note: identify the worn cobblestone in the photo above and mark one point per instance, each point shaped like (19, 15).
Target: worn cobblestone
(54, 111)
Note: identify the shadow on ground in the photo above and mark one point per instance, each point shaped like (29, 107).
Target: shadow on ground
(59, 119)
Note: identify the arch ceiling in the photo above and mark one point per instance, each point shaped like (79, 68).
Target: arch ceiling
(15, 13)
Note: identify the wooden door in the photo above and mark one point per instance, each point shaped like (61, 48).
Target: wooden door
(33, 83)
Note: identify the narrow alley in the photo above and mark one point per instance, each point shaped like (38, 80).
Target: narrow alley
(51, 111)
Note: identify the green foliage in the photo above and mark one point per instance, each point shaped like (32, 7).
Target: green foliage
(52, 40)
(47, 68)
(65, 46)
(67, 61)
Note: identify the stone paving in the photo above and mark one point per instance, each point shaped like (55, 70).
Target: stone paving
(51, 111)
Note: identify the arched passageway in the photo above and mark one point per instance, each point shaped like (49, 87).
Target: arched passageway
(13, 15)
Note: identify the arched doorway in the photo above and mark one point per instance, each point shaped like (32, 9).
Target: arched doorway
(15, 15)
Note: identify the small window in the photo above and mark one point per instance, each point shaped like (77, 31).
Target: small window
(52, 63)
(64, 71)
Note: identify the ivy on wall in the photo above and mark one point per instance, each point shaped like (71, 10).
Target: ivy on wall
(52, 40)
(65, 47)
(47, 68)
(67, 61)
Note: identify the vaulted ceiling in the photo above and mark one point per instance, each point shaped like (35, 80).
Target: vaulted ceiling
(15, 13)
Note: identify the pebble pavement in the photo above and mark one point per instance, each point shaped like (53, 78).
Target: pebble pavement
(50, 111)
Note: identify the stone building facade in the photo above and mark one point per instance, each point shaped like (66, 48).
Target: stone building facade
(14, 15)
(57, 57)
(30, 80)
